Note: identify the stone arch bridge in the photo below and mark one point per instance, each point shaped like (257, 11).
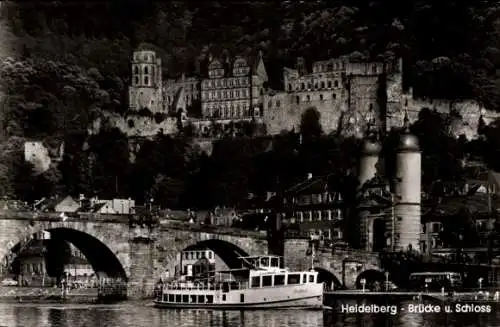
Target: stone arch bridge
(119, 246)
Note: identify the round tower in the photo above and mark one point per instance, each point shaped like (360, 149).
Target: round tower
(406, 221)
(369, 156)
(146, 85)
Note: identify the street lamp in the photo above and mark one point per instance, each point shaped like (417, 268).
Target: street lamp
(386, 281)
(480, 282)
(363, 283)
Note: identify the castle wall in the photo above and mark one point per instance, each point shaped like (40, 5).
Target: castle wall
(142, 126)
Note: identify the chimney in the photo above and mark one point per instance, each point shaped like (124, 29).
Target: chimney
(309, 175)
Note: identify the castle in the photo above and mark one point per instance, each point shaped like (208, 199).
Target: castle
(233, 96)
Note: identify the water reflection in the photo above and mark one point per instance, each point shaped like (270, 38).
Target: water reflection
(140, 315)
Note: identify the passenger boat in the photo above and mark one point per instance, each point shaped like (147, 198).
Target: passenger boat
(261, 283)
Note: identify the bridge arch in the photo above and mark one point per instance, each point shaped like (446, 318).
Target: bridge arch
(104, 250)
(228, 252)
(328, 277)
(371, 276)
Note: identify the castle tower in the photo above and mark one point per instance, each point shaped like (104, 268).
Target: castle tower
(406, 221)
(369, 157)
(145, 90)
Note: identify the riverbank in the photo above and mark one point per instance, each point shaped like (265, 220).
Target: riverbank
(46, 295)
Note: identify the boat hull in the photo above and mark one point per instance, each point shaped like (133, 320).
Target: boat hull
(303, 296)
(311, 303)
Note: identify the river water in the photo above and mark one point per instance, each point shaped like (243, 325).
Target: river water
(141, 315)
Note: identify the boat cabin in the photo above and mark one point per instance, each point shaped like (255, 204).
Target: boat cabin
(263, 262)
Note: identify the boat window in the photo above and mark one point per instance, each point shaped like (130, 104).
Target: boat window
(223, 297)
(279, 280)
(267, 281)
(311, 278)
(255, 282)
(293, 279)
(165, 298)
(304, 278)
(201, 298)
(242, 298)
(178, 298)
(193, 299)
(171, 298)
(275, 262)
(210, 299)
(185, 298)
(264, 262)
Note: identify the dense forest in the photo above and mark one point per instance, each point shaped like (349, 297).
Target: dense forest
(70, 61)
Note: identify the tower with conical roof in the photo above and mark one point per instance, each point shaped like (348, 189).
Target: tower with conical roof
(405, 224)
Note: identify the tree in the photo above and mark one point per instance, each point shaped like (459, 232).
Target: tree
(310, 126)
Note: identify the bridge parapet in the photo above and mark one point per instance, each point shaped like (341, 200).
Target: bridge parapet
(57, 216)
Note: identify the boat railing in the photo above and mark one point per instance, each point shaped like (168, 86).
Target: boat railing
(206, 286)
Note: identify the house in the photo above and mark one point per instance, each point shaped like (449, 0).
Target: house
(68, 204)
(114, 206)
(313, 208)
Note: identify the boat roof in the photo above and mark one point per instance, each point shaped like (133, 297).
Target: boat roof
(434, 272)
(261, 256)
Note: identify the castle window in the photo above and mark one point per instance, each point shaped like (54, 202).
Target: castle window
(302, 86)
(136, 80)
(316, 85)
(289, 87)
(330, 67)
(297, 99)
(329, 84)
(371, 106)
(237, 82)
(321, 97)
(322, 85)
(308, 98)
(336, 84)
(278, 103)
(309, 86)
(270, 104)
(146, 80)
(225, 83)
(374, 69)
(146, 70)
(231, 94)
(334, 96)
(136, 70)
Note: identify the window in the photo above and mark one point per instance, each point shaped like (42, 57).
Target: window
(136, 70)
(279, 280)
(255, 282)
(321, 97)
(270, 104)
(334, 96)
(322, 85)
(178, 298)
(210, 299)
(192, 299)
(275, 262)
(293, 279)
(308, 98)
(171, 298)
(371, 106)
(297, 99)
(242, 298)
(304, 278)
(315, 85)
(185, 298)
(336, 83)
(309, 85)
(289, 87)
(197, 255)
(329, 84)
(311, 278)
(267, 281)
(302, 86)
(146, 71)
(223, 297)
(374, 69)
(146, 80)
(278, 103)
(136, 80)
(201, 298)
(210, 254)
